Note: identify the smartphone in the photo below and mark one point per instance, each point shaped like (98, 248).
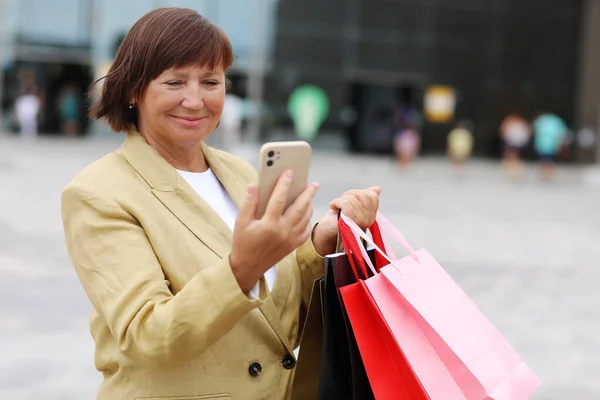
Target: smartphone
(275, 158)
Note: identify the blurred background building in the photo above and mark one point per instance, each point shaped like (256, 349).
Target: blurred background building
(48, 46)
(64, 45)
(498, 56)
(492, 58)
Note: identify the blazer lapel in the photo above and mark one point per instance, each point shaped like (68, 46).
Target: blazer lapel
(175, 194)
(235, 187)
(187, 206)
(199, 218)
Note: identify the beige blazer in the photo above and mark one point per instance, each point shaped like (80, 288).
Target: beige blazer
(169, 319)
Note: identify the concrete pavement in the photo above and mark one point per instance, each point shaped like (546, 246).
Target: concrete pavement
(526, 252)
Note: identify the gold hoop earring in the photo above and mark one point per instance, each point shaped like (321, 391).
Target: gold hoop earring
(131, 105)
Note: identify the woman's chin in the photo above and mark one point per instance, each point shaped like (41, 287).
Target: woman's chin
(187, 138)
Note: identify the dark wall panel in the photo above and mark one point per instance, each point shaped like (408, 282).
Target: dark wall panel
(500, 54)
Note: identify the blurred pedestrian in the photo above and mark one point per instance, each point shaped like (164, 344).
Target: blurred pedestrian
(27, 108)
(516, 133)
(407, 140)
(231, 122)
(407, 144)
(69, 109)
(460, 144)
(550, 135)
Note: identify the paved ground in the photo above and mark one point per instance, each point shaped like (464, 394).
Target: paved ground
(526, 252)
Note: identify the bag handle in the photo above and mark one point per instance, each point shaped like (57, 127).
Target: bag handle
(339, 246)
(380, 260)
(378, 239)
(352, 248)
(389, 228)
(385, 224)
(357, 233)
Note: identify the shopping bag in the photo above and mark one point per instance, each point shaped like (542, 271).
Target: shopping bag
(342, 375)
(329, 363)
(453, 349)
(389, 373)
(306, 379)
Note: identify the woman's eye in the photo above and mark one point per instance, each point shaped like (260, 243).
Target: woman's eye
(212, 83)
(174, 83)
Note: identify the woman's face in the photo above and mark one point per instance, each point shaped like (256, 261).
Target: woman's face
(183, 105)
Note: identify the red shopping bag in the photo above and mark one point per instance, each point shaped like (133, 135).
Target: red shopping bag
(452, 348)
(388, 371)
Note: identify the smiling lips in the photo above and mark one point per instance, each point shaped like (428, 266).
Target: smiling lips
(189, 122)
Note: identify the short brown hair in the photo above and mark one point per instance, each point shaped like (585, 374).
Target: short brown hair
(162, 39)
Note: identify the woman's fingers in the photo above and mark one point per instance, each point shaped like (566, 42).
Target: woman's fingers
(375, 189)
(359, 205)
(278, 199)
(303, 202)
(247, 211)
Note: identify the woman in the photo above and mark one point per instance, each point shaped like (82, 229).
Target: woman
(193, 296)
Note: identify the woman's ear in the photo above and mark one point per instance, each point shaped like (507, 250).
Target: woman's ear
(134, 98)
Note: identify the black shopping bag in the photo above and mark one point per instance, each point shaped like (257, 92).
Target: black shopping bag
(342, 375)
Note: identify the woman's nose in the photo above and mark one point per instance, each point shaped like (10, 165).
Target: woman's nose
(193, 98)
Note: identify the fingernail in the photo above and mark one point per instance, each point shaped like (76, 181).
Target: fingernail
(315, 185)
(289, 174)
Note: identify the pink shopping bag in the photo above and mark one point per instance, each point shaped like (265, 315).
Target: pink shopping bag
(453, 349)
(390, 375)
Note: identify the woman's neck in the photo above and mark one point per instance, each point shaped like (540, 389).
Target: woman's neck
(182, 158)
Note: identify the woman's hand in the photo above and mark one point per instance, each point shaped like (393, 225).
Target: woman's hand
(359, 205)
(258, 244)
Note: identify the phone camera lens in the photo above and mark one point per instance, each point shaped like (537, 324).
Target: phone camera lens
(269, 163)
(271, 153)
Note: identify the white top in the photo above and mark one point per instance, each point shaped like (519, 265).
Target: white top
(27, 106)
(214, 194)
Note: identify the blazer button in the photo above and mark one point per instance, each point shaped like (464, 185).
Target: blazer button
(288, 362)
(255, 369)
